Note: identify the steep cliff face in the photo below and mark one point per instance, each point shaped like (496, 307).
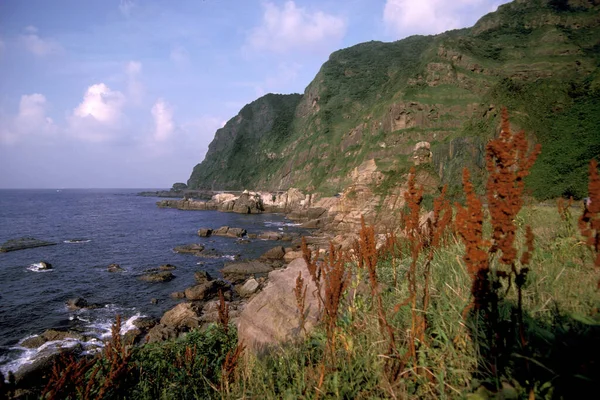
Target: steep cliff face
(247, 144)
(377, 101)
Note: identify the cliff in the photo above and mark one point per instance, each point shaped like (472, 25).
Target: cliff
(430, 101)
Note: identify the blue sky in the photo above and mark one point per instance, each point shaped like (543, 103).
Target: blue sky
(129, 93)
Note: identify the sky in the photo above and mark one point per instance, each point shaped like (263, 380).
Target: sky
(129, 93)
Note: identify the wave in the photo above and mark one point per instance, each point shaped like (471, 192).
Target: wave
(281, 223)
(38, 267)
(96, 333)
(77, 241)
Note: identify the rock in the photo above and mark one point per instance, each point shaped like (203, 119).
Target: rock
(276, 253)
(194, 248)
(248, 204)
(204, 232)
(34, 374)
(269, 235)
(167, 267)
(183, 315)
(132, 336)
(163, 276)
(144, 323)
(177, 295)
(51, 334)
(153, 300)
(205, 291)
(114, 268)
(271, 317)
(252, 235)
(312, 224)
(33, 342)
(243, 241)
(23, 243)
(77, 303)
(249, 288)
(202, 276)
(160, 333)
(247, 268)
(291, 256)
(229, 232)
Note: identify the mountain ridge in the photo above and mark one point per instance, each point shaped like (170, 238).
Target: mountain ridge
(379, 101)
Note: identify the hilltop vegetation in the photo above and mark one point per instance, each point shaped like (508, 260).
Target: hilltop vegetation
(375, 100)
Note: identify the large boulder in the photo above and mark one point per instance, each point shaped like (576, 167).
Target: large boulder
(249, 288)
(160, 333)
(291, 256)
(271, 317)
(276, 253)
(270, 235)
(229, 232)
(202, 277)
(248, 204)
(204, 232)
(183, 315)
(205, 291)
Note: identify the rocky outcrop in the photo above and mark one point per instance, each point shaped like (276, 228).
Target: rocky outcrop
(114, 268)
(265, 322)
(240, 270)
(276, 253)
(194, 248)
(160, 276)
(23, 243)
(78, 303)
(205, 291)
(229, 232)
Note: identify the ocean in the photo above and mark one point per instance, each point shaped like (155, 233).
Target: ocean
(94, 228)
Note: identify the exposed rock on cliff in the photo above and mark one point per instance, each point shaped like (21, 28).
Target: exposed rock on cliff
(426, 100)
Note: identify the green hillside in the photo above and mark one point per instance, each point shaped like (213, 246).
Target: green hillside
(375, 100)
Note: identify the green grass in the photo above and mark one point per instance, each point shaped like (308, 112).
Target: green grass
(559, 301)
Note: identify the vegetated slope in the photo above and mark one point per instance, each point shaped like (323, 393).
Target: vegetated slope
(376, 100)
(247, 144)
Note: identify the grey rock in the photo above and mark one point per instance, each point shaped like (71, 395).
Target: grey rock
(204, 232)
(276, 253)
(202, 277)
(114, 268)
(248, 288)
(162, 276)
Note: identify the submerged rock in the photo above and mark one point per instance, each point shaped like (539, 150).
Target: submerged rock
(115, 268)
(23, 243)
(162, 276)
(78, 303)
(202, 276)
(194, 248)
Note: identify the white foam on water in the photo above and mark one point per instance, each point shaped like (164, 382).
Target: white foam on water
(96, 332)
(228, 257)
(77, 241)
(38, 267)
(281, 223)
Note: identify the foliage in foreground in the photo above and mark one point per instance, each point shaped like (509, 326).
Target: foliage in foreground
(498, 302)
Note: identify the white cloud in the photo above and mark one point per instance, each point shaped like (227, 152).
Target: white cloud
(99, 117)
(290, 28)
(135, 89)
(31, 121)
(38, 46)
(409, 17)
(164, 126)
(179, 55)
(125, 6)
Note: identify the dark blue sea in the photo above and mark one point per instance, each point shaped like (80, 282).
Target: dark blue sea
(116, 226)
